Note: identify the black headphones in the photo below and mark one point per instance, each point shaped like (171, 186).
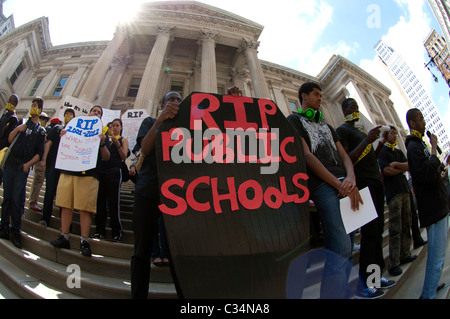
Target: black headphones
(311, 114)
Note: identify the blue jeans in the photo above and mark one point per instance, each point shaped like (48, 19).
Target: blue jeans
(437, 245)
(14, 182)
(338, 244)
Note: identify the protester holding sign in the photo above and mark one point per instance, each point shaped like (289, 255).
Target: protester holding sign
(110, 182)
(146, 198)
(26, 152)
(49, 160)
(331, 177)
(78, 190)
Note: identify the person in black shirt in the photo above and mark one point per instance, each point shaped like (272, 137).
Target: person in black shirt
(27, 151)
(393, 164)
(79, 190)
(331, 177)
(110, 182)
(8, 123)
(146, 198)
(49, 161)
(360, 149)
(431, 196)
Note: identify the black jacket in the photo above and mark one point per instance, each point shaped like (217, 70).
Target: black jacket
(431, 195)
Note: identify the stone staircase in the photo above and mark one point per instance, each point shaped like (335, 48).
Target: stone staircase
(39, 271)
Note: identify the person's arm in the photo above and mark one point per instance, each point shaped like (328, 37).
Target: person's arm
(47, 147)
(13, 134)
(104, 151)
(372, 136)
(349, 188)
(148, 141)
(122, 148)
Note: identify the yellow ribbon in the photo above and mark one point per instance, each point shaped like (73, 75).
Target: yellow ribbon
(416, 133)
(10, 107)
(352, 117)
(392, 146)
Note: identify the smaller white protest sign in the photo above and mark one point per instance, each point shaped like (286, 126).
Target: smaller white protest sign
(356, 219)
(132, 120)
(78, 148)
(80, 107)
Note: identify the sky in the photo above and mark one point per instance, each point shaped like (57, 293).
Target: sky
(299, 34)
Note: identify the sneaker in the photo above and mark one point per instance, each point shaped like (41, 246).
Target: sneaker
(4, 233)
(386, 283)
(35, 207)
(16, 240)
(117, 238)
(61, 242)
(98, 236)
(43, 223)
(396, 271)
(85, 248)
(370, 293)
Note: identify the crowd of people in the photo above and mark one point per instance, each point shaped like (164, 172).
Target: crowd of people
(340, 163)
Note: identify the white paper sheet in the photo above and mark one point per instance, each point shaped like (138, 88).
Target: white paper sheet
(356, 219)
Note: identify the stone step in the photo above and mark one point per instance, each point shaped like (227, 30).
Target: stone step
(55, 274)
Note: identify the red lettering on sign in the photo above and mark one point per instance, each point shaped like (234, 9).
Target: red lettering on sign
(198, 113)
(199, 207)
(264, 111)
(181, 203)
(239, 110)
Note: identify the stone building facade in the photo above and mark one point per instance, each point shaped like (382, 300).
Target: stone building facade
(180, 45)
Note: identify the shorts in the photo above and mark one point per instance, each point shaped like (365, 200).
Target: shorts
(77, 192)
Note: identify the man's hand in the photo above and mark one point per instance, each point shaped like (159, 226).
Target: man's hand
(234, 90)
(355, 199)
(347, 186)
(169, 111)
(373, 135)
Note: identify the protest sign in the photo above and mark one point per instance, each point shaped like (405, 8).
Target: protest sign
(78, 148)
(132, 120)
(80, 107)
(234, 196)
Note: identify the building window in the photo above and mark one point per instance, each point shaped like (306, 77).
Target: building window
(35, 87)
(293, 105)
(220, 90)
(177, 86)
(134, 87)
(59, 86)
(16, 73)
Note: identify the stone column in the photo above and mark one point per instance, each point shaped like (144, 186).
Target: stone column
(249, 47)
(146, 98)
(92, 85)
(208, 40)
(119, 66)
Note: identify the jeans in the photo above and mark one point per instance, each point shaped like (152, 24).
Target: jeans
(14, 182)
(51, 182)
(338, 244)
(437, 245)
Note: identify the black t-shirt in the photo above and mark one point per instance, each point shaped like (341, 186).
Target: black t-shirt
(28, 144)
(147, 179)
(366, 169)
(53, 135)
(396, 184)
(8, 123)
(321, 139)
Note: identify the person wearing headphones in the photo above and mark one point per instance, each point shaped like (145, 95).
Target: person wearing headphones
(331, 177)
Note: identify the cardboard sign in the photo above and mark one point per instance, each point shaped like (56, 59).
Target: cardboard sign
(80, 107)
(234, 196)
(78, 148)
(132, 120)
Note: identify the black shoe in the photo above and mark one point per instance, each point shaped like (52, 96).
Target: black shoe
(396, 271)
(4, 233)
(407, 260)
(15, 238)
(420, 243)
(61, 242)
(85, 248)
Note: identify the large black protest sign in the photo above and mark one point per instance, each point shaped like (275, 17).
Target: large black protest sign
(234, 196)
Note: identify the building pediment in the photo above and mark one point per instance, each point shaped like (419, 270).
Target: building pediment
(192, 14)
